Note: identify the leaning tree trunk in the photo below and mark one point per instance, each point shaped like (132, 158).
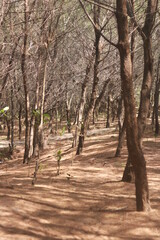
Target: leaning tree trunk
(99, 99)
(80, 109)
(91, 106)
(133, 143)
(40, 130)
(146, 34)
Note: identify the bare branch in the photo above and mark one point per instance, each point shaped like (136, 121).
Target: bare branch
(98, 28)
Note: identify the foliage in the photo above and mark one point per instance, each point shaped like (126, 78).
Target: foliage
(3, 112)
(62, 131)
(59, 155)
(46, 116)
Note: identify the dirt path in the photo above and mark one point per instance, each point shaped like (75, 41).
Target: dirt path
(86, 201)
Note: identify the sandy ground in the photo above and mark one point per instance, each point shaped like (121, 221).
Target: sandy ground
(86, 201)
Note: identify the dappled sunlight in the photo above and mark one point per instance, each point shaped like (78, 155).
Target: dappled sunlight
(86, 201)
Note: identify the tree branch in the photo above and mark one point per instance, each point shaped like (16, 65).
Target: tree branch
(97, 27)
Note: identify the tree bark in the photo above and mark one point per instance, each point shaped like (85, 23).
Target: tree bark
(80, 110)
(156, 99)
(121, 139)
(133, 144)
(8, 128)
(146, 34)
(108, 123)
(12, 119)
(93, 97)
(146, 88)
(20, 120)
(68, 110)
(35, 117)
(40, 132)
(24, 76)
(99, 99)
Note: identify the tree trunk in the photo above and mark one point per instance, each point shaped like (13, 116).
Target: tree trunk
(80, 110)
(33, 141)
(51, 123)
(92, 102)
(133, 144)
(12, 119)
(99, 99)
(146, 34)
(146, 88)
(24, 77)
(122, 129)
(133, 35)
(41, 133)
(8, 128)
(93, 119)
(121, 139)
(56, 125)
(20, 120)
(156, 99)
(108, 112)
(68, 120)
(128, 174)
(31, 137)
(68, 108)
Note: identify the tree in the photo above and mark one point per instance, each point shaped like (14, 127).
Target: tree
(133, 143)
(95, 81)
(156, 98)
(24, 77)
(146, 34)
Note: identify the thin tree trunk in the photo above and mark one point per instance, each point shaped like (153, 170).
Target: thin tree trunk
(146, 88)
(51, 123)
(120, 141)
(92, 102)
(108, 123)
(8, 128)
(133, 37)
(20, 120)
(113, 110)
(10, 63)
(41, 133)
(156, 99)
(56, 125)
(31, 137)
(122, 131)
(68, 120)
(80, 109)
(12, 119)
(24, 77)
(68, 113)
(99, 99)
(35, 117)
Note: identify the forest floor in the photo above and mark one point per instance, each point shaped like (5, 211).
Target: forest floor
(87, 201)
